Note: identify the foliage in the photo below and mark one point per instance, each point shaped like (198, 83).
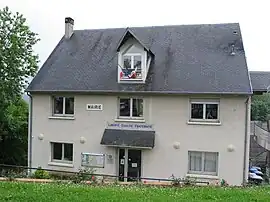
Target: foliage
(260, 107)
(187, 181)
(85, 174)
(12, 173)
(21, 192)
(17, 59)
(175, 180)
(41, 174)
(62, 176)
(14, 134)
(223, 183)
(17, 64)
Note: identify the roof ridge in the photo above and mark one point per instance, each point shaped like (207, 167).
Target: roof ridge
(259, 71)
(159, 26)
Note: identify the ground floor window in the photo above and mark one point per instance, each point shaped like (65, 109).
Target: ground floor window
(62, 152)
(205, 163)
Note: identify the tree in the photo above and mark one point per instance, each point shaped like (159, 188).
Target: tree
(13, 141)
(18, 62)
(17, 59)
(260, 108)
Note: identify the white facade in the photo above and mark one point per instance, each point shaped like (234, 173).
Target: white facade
(175, 135)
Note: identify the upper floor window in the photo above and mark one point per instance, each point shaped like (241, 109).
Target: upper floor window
(132, 66)
(131, 108)
(204, 111)
(204, 163)
(63, 106)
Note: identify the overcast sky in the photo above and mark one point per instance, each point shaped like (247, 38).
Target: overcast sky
(47, 19)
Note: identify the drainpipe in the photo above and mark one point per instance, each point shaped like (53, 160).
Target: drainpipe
(30, 118)
(245, 139)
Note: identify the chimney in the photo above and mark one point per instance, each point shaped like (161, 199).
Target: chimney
(69, 22)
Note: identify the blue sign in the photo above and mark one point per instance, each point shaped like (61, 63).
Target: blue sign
(130, 125)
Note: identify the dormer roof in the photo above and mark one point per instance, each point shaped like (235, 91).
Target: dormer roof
(188, 59)
(129, 34)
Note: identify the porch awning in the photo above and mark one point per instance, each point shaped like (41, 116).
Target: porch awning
(128, 138)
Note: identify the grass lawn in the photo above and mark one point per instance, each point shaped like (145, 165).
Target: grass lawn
(21, 191)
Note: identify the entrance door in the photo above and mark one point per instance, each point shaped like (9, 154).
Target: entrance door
(134, 165)
(129, 164)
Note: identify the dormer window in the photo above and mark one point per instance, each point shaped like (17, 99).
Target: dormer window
(134, 59)
(132, 68)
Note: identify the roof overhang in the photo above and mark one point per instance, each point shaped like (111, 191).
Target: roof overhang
(106, 92)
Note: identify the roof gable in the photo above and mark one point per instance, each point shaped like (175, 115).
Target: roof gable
(127, 35)
(188, 59)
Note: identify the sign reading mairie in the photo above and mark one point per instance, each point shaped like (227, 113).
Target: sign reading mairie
(130, 126)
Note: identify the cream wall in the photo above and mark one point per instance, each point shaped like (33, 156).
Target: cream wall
(169, 116)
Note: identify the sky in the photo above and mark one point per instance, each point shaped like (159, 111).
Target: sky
(47, 19)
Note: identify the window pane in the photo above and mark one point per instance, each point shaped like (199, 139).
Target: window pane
(57, 151)
(197, 111)
(138, 66)
(137, 108)
(58, 105)
(211, 111)
(124, 107)
(210, 162)
(127, 62)
(68, 152)
(195, 161)
(69, 105)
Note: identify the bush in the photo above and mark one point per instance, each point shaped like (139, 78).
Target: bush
(175, 180)
(61, 176)
(85, 174)
(41, 174)
(188, 181)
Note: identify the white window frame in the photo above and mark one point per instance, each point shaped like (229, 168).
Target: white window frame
(63, 153)
(132, 58)
(132, 63)
(64, 106)
(131, 108)
(204, 111)
(202, 172)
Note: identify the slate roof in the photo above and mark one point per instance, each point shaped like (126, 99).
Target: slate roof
(188, 59)
(260, 81)
(132, 138)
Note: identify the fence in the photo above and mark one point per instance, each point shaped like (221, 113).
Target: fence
(23, 171)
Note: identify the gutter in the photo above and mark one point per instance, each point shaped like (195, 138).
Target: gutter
(107, 92)
(30, 118)
(245, 140)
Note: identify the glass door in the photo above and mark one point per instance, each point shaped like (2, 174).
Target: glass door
(129, 167)
(121, 166)
(134, 165)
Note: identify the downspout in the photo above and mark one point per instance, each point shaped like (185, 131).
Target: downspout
(245, 139)
(30, 118)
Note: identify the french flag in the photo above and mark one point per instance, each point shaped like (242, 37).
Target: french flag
(132, 75)
(121, 74)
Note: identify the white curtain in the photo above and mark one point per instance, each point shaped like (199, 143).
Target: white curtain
(210, 162)
(195, 161)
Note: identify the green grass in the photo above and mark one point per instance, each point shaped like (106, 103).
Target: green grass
(19, 191)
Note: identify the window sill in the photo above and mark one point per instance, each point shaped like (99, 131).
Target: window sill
(61, 164)
(204, 123)
(62, 117)
(130, 120)
(212, 177)
(127, 79)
